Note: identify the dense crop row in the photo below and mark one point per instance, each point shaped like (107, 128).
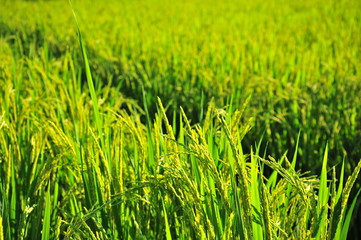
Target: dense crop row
(87, 150)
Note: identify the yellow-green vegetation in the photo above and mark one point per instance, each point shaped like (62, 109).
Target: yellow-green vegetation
(180, 119)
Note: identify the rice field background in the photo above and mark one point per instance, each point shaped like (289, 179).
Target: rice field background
(196, 119)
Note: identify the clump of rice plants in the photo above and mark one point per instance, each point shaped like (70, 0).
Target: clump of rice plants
(158, 181)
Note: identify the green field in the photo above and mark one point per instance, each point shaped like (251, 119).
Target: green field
(195, 119)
